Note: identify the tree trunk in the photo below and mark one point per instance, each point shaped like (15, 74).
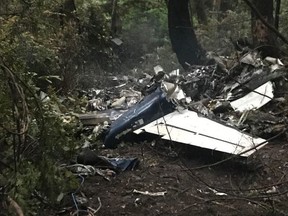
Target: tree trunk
(67, 10)
(227, 5)
(182, 35)
(261, 34)
(116, 26)
(201, 12)
(216, 9)
(216, 5)
(277, 13)
(191, 12)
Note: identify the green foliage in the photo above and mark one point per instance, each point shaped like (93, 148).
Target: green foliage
(95, 21)
(220, 30)
(36, 52)
(144, 26)
(37, 138)
(49, 41)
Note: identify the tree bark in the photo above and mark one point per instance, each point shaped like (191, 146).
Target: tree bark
(216, 9)
(277, 12)
(268, 25)
(201, 12)
(182, 35)
(216, 5)
(67, 9)
(116, 26)
(261, 34)
(15, 205)
(191, 12)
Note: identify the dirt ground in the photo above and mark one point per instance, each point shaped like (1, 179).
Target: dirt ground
(256, 186)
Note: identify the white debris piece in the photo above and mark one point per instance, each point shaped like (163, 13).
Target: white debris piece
(189, 128)
(175, 73)
(256, 99)
(274, 60)
(119, 102)
(117, 41)
(162, 193)
(217, 192)
(275, 63)
(158, 68)
(44, 97)
(251, 58)
(173, 91)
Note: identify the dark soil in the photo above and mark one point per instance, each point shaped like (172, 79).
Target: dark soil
(256, 186)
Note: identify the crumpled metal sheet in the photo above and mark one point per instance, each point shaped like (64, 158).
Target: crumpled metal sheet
(89, 157)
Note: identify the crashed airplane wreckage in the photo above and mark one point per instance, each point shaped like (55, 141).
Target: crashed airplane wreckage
(155, 114)
(174, 115)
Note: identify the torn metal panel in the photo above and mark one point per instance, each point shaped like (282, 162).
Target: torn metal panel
(252, 58)
(175, 73)
(100, 117)
(274, 61)
(158, 69)
(259, 78)
(173, 91)
(256, 99)
(189, 128)
(93, 119)
(149, 109)
(89, 157)
(119, 103)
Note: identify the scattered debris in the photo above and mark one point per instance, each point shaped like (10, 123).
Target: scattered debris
(89, 164)
(210, 106)
(100, 117)
(107, 174)
(80, 169)
(154, 194)
(89, 157)
(217, 193)
(272, 190)
(124, 164)
(226, 107)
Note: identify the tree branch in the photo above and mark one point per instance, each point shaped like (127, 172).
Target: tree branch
(10, 14)
(16, 206)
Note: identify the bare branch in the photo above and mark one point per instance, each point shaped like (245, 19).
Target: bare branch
(16, 206)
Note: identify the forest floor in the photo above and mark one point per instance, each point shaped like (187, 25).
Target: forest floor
(193, 181)
(250, 187)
